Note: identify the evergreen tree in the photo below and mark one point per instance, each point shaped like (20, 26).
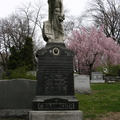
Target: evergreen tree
(13, 61)
(26, 54)
(23, 57)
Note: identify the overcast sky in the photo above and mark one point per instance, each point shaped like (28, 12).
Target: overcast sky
(75, 7)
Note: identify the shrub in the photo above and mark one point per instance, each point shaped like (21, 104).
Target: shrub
(111, 70)
(18, 73)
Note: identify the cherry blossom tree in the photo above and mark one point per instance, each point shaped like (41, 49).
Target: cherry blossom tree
(92, 49)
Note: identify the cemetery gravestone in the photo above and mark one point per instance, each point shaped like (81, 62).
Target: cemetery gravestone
(55, 85)
(82, 83)
(1, 71)
(55, 98)
(16, 96)
(97, 77)
(119, 72)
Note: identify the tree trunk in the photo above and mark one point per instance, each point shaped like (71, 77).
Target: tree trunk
(90, 70)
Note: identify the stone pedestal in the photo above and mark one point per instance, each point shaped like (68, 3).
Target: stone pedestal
(55, 115)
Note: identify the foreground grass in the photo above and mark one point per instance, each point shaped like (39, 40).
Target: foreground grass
(104, 98)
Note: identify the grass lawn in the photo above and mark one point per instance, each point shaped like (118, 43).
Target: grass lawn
(105, 98)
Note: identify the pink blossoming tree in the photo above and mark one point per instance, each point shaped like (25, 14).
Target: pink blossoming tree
(92, 49)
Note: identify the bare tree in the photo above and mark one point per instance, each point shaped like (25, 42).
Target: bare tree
(72, 23)
(15, 28)
(34, 14)
(107, 13)
(69, 25)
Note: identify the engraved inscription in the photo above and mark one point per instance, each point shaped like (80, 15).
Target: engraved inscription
(55, 106)
(56, 75)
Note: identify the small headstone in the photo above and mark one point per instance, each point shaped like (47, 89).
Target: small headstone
(33, 73)
(97, 77)
(119, 72)
(1, 71)
(82, 84)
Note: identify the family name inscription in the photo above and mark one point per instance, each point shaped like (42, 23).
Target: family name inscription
(55, 80)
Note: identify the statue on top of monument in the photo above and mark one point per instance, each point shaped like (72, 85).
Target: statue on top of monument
(53, 28)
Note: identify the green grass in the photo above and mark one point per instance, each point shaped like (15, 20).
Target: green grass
(104, 98)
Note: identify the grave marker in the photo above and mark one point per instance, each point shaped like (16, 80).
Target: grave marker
(82, 83)
(97, 77)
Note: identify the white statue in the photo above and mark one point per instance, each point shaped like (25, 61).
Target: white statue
(53, 28)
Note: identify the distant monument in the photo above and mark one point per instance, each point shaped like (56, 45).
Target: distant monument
(82, 84)
(55, 80)
(97, 77)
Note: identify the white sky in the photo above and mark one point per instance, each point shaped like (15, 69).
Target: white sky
(75, 7)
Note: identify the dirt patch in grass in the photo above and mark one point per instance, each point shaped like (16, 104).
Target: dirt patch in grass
(109, 116)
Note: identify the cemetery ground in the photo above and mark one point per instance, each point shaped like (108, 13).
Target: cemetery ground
(102, 104)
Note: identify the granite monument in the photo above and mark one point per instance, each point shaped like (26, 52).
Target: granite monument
(55, 80)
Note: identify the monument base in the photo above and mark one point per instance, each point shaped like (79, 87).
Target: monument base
(43, 103)
(56, 115)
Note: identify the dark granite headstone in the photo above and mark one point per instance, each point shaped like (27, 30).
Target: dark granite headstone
(55, 84)
(119, 72)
